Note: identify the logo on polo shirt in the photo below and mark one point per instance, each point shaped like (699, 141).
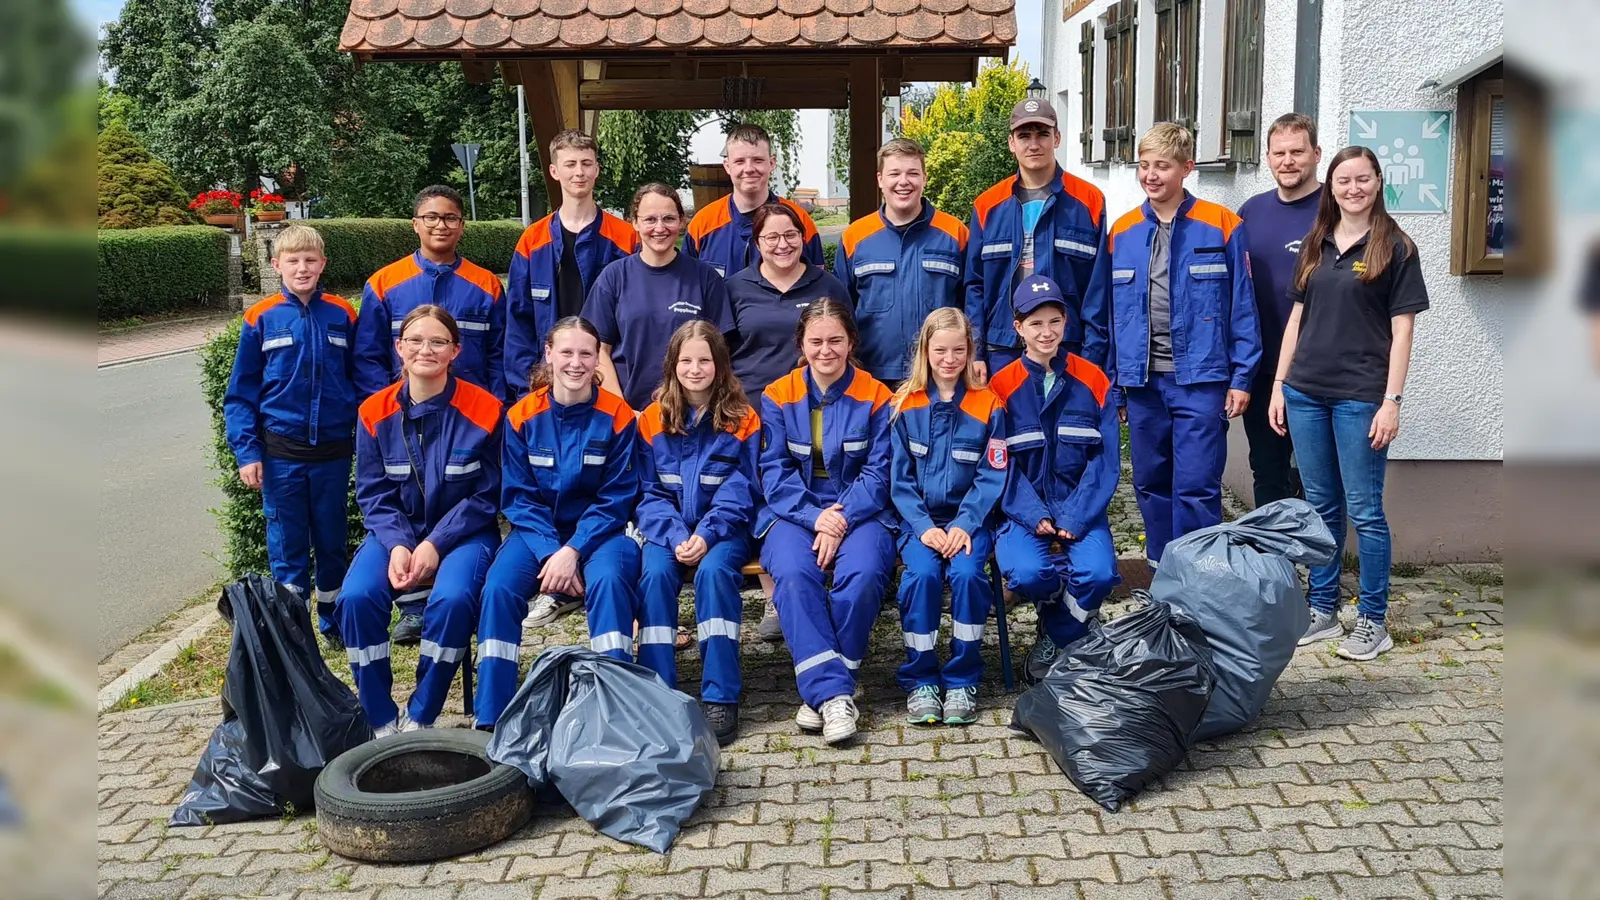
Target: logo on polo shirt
(1360, 267)
(685, 307)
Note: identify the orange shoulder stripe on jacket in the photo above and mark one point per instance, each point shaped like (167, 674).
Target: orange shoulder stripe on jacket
(342, 303)
(380, 406)
(791, 388)
(479, 406)
(260, 307)
(1125, 222)
(528, 407)
(991, 198)
(1086, 193)
(486, 280)
(612, 405)
(868, 390)
(914, 400)
(1092, 376)
(980, 404)
(711, 218)
(750, 424)
(950, 225)
(392, 274)
(1215, 215)
(860, 230)
(1006, 381)
(534, 236)
(807, 227)
(650, 422)
(618, 232)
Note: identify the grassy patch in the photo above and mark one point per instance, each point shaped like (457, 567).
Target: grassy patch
(1406, 570)
(1485, 577)
(19, 681)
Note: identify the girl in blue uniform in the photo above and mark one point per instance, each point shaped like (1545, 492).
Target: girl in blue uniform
(825, 473)
(698, 448)
(949, 470)
(427, 482)
(570, 487)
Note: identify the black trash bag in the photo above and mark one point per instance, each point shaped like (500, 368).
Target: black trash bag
(1116, 709)
(284, 714)
(633, 757)
(1238, 581)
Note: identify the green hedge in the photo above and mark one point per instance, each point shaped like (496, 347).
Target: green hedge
(830, 252)
(49, 272)
(357, 248)
(155, 270)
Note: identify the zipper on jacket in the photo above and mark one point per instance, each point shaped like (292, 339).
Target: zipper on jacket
(1149, 322)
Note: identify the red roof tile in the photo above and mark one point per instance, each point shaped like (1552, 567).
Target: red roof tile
(468, 9)
(420, 9)
(632, 29)
(751, 8)
(776, 29)
(516, 9)
(486, 32)
(657, 8)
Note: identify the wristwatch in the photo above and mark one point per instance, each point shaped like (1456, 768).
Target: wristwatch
(1397, 398)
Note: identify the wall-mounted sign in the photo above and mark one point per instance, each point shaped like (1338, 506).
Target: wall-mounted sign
(1413, 147)
(1073, 7)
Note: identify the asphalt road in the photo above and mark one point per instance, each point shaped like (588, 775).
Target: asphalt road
(159, 542)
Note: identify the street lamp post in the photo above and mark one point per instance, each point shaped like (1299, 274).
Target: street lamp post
(1036, 89)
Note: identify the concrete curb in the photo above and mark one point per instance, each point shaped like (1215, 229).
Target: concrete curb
(112, 694)
(109, 364)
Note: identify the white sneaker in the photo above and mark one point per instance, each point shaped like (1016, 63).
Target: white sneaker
(839, 718)
(549, 607)
(808, 719)
(400, 724)
(409, 724)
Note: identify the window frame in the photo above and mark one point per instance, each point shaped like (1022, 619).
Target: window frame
(1086, 60)
(1241, 122)
(1120, 33)
(1177, 67)
(1470, 210)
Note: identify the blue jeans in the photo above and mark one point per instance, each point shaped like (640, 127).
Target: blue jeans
(1343, 476)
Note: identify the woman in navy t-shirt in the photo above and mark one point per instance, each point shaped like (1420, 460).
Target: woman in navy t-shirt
(639, 301)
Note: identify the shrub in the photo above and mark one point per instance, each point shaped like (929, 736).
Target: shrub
(49, 272)
(136, 190)
(359, 247)
(830, 252)
(154, 270)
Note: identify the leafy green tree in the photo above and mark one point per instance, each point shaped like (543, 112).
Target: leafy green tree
(136, 190)
(640, 146)
(41, 52)
(964, 131)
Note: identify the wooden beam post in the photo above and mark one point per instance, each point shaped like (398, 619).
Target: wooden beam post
(544, 113)
(866, 135)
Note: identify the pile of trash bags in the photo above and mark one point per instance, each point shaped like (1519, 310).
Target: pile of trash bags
(284, 714)
(632, 756)
(1119, 709)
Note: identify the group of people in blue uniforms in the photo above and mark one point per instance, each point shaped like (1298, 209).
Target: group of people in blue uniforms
(633, 408)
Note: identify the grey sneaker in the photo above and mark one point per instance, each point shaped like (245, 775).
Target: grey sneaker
(769, 630)
(549, 607)
(1040, 658)
(923, 706)
(839, 719)
(961, 706)
(1324, 627)
(1366, 641)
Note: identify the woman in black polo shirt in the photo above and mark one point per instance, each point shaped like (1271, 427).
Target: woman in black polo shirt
(1341, 375)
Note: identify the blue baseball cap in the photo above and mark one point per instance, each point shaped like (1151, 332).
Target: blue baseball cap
(1034, 292)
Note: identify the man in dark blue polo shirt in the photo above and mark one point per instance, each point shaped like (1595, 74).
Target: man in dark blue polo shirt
(1275, 223)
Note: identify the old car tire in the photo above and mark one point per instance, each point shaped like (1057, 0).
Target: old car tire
(419, 796)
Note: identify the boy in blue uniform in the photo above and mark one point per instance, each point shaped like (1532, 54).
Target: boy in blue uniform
(900, 263)
(1055, 547)
(1187, 345)
(721, 233)
(290, 412)
(435, 275)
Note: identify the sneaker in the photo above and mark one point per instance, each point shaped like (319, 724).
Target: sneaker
(1040, 658)
(401, 723)
(961, 705)
(549, 607)
(923, 706)
(1366, 641)
(808, 719)
(407, 631)
(724, 719)
(839, 718)
(334, 641)
(770, 630)
(1324, 627)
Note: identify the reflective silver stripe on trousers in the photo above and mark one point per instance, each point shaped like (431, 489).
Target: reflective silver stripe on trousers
(1077, 431)
(920, 642)
(1208, 269)
(464, 325)
(590, 460)
(966, 455)
(414, 595)
(402, 469)
(811, 662)
(611, 640)
(711, 628)
(1024, 438)
(961, 631)
(363, 656)
(658, 634)
(1085, 249)
(1078, 612)
(275, 343)
(669, 478)
(853, 446)
(467, 469)
(498, 650)
(442, 654)
(851, 664)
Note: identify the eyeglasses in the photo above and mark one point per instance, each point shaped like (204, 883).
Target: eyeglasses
(655, 221)
(434, 220)
(415, 343)
(786, 237)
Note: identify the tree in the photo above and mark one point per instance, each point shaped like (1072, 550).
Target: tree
(136, 190)
(965, 131)
(41, 51)
(839, 148)
(641, 146)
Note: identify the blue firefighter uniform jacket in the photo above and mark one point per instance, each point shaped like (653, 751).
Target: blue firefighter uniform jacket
(1215, 336)
(531, 290)
(429, 471)
(1065, 453)
(896, 279)
(467, 291)
(292, 374)
(701, 483)
(950, 460)
(855, 450)
(1069, 249)
(570, 472)
(720, 236)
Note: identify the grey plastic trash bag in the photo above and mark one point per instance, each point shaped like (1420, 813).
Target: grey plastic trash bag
(1116, 709)
(284, 714)
(1238, 581)
(633, 757)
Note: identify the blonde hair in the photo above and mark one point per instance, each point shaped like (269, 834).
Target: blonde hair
(298, 239)
(902, 147)
(1168, 139)
(946, 318)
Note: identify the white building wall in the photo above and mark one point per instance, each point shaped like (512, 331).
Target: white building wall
(1455, 393)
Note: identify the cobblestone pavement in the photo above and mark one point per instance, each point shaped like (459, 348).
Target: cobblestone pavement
(1360, 780)
(175, 336)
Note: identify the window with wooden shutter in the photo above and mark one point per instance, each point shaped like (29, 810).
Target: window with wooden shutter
(1120, 29)
(1086, 56)
(1241, 114)
(1177, 61)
